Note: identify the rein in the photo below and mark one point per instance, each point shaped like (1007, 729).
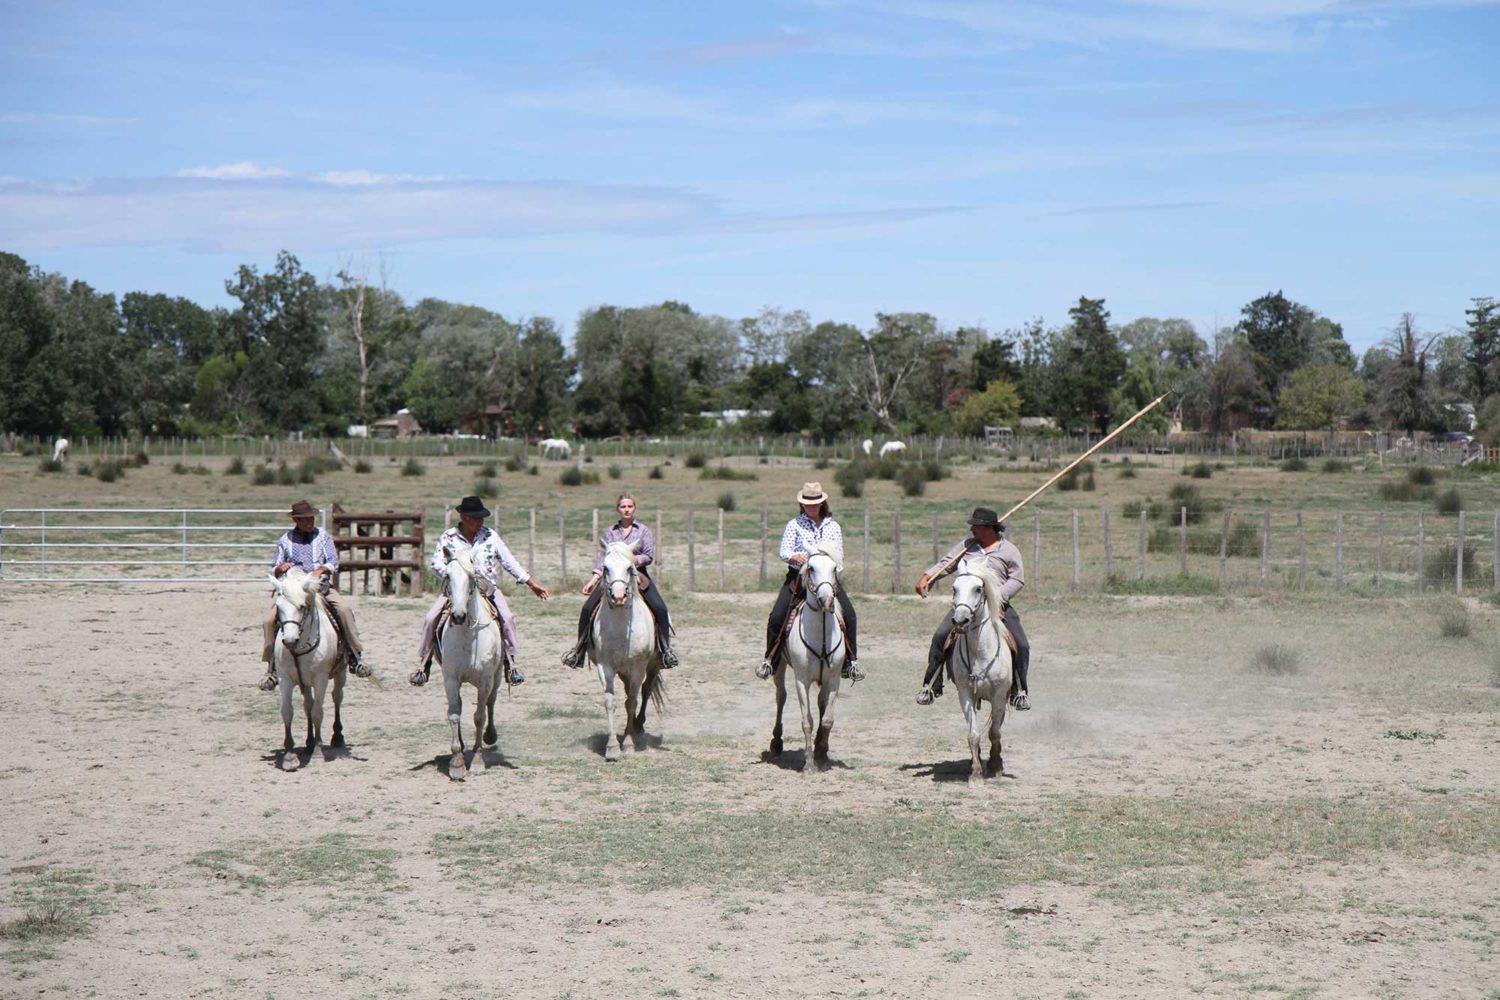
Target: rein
(979, 617)
(825, 653)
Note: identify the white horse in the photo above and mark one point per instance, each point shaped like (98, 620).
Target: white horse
(892, 448)
(306, 658)
(624, 650)
(60, 450)
(471, 652)
(815, 649)
(555, 448)
(980, 662)
(866, 445)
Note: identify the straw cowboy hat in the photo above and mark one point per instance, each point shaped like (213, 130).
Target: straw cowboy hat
(812, 493)
(472, 507)
(302, 509)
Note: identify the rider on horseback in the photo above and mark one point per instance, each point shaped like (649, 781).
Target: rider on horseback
(489, 555)
(984, 542)
(311, 549)
(631, 532)
(804, 534)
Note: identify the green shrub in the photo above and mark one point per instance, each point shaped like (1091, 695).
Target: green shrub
(48, 465)
(514, 463)
(413, 468)
(888, 468)
(489, 470)
(1450, 502)
(851, 478)
(533, 469)
(696, 460)
(1202, 470)
(1439, 567)
(140, 458)
(1127, 473)
(1088, 483)
(913, 480)
(362, 467)
(1132, 510)
(1334, 465)
(1454, 621)
(936, 471)
(109, 470)
(655, 472)
(1294, 464)
(236, 467)
(1421, 475)
(574, 476)
(1403, 491)
(286, 476)
(178, 469)
(615, 472)
(726, 501)
(821, 463)
(264, 476)
(85, 469)
(727, 474)
(485, 486)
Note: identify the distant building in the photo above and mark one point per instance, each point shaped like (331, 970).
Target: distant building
(728, 418)
(402, 426)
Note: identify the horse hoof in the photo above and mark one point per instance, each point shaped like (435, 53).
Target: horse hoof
(337, 741)
(776, 748)
(478, 766)
(289, 762)
(611, 753)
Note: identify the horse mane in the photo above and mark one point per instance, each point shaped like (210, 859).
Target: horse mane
(296, 588)
(832, 551)
(622, 549)
(464, 560)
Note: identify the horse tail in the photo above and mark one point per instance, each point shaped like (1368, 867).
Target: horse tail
(653, 690)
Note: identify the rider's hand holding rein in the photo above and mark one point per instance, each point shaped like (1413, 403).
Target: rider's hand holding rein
(924, 585)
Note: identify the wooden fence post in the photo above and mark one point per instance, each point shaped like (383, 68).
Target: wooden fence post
(692, 554)
(1077, 560)
(661, 570)
(1338, 548)
(1380, 549)
(1036, 551)
(896, 576)
(1140, 548)
(530, 539)
(764, 528)
(1223, 551)
(1301, 554)
(1495, 558)
(1421, 554)
(1182, 539)
(562, 542)
(1265, 542)
(1109, 554)
(721, 549)
(1458, 559)
(935, 551)
(866, 552)
(594, 528)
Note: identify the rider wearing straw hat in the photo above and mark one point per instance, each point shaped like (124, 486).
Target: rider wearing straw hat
(311, 549)
(809, 531)
(985, 542)
(489, 555)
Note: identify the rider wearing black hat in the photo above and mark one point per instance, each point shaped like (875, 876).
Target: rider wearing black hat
(985, 541)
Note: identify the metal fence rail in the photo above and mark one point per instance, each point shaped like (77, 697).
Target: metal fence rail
(206, 545)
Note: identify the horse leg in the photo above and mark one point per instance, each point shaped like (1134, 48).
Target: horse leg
(804, 702)
(319, 692)
(630, 739)
(456, 769)
(827, 696)
(491, 737)
(340, 675)
(997, 719)
(307, 713)
(289, 760)
(776, 745)
(481, 703)
(971, 716)
(607, 678)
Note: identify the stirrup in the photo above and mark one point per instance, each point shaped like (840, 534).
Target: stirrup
(765, 669)
(573, 658)
(269, 682)
(668, 658)
(925, 696)
(418, 677)
(359, 668)
(1019, 701)
(514, 676)
(851, 671)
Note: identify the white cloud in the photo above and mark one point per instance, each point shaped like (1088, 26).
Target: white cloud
(242, 171)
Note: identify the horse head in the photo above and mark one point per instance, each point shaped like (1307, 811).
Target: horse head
(820, 577)
(460, 584)
(619, 571)
(976, 593)
(293, 596)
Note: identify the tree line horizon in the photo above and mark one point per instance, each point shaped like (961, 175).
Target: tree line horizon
(295, 354)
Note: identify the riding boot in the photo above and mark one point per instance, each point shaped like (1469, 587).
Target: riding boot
(514, 675)
(668, 657)
(575, 657)
(269, 682)
(419, 676)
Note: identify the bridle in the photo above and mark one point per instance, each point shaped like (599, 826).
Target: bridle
(628, 581)
(307, 638)
(979, 616)
(823, 653)
(472, 622)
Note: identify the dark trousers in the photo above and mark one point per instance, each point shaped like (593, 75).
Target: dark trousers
(783, 606)
(934, 676)
(651, 595)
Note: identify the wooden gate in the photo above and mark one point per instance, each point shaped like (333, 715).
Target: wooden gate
(372, 541)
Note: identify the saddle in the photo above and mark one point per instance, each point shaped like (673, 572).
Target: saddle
(445, 614)
(799, 601)
(1010, 642)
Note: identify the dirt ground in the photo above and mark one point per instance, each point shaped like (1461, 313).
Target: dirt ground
(1174, 822)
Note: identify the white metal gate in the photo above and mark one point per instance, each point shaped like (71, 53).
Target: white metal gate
(139, 544)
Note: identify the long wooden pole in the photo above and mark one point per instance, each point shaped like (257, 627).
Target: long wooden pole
(1065, 470)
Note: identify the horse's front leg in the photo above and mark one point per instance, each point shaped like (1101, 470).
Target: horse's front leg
(307, 713)
(319, 692)
(827, 698)
(997, 719)
(481, 703)
(630, 739)
(776, 744)
(969, 703)
(804, 702)
(607, 678)
(491, 737)
(289, 760)
(340, 675)
(451, 683)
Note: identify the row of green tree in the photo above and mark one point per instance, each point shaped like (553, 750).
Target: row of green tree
(297, 354)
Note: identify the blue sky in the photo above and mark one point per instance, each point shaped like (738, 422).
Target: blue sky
(986, 162)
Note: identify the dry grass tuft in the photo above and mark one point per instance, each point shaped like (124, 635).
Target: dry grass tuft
(1277, 659)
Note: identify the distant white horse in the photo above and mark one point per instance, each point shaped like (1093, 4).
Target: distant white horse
(867, 445)
(892, 448)
(555, 448)
(306, 658)
(624, 650)
(815, 649)
(979, 662)
(470, 652)
(60, 450)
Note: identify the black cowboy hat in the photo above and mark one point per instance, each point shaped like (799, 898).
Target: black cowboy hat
(302, 509)
(472, 507)
(983, 517)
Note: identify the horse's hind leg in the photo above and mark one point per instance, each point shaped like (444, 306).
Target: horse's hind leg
(481, 705)
(491, 737)
(607, 677)
(776, 744)
(338, 707)
(826, 697)
(997, 719)
(289, 760)
(971, 709)
(630, 738)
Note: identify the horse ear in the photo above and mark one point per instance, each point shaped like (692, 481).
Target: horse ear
(635, 546)
(275, 581)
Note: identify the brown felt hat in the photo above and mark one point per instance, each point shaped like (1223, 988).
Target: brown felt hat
(303, 509)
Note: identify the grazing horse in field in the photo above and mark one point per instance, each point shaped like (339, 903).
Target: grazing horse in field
(306, 657)
(60, 450)
(470, 652)
(555, 448)
(815, 650)
(892, 448)
(624, 650)
(979, 661)
(866, 445)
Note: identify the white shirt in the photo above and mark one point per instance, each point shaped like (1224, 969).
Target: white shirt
(488, 554)
(804, 536)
